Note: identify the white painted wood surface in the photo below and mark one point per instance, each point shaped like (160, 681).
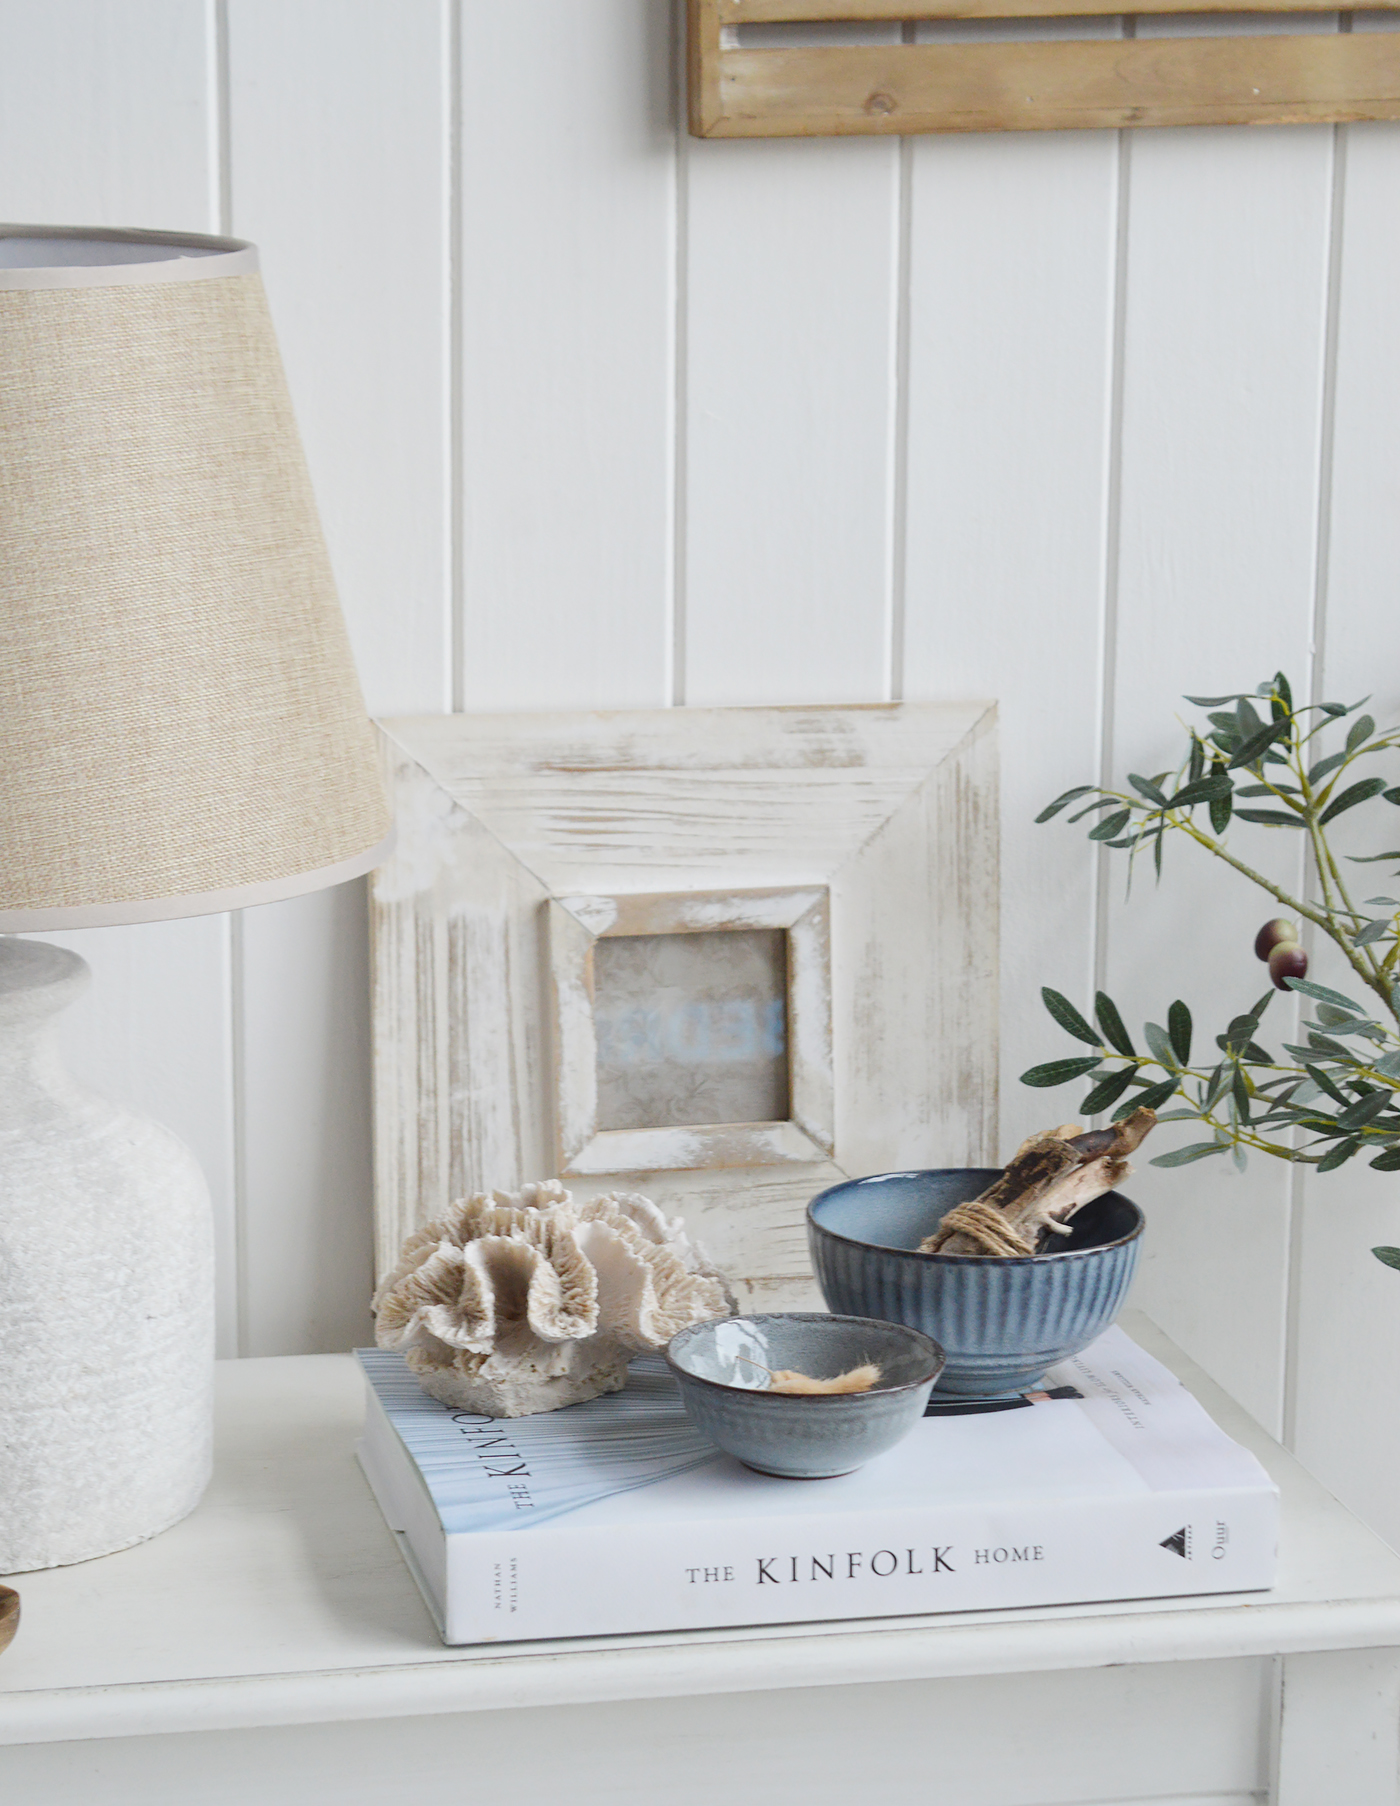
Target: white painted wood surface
(274, 1646)
(568, 307)
(625, 419)
(792, 265)
(1222, 391)
(820, 1745)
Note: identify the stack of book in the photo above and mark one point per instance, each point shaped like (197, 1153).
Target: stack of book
(615, 1515)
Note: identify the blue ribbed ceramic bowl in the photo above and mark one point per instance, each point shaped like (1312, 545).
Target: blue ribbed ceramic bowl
(1002, 1322)
(719, 1364)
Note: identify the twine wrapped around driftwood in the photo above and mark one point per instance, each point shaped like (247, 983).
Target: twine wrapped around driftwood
(1050, 1177)
(987, 1227)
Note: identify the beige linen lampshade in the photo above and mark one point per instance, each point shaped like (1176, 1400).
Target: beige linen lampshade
(181, 731)
(181, 728)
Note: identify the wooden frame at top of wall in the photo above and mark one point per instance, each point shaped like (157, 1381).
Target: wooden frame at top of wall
(803, 90)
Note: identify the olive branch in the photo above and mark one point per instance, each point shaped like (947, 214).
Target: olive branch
(1260, 763)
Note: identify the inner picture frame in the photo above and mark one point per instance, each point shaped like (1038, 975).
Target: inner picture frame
(864, 836)
(805, 1134)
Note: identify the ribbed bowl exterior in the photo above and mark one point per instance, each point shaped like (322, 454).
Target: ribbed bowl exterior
(1002, 1322)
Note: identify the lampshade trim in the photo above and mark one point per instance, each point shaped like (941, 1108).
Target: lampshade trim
(220, 257)
(196, 903)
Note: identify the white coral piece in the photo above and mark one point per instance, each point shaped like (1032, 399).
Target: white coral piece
(517, 1302)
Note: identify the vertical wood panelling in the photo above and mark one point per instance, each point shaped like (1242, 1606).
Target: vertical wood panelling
(338, 136)
(568, 307)
(1011, 329)
(1227, 264)
(104, 113)
(105, 120)
(307, 1256)
(338, 141)
(1349, 1305)
(792, 258)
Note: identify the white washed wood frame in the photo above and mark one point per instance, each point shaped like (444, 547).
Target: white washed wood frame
(576, 924)
(888, 809)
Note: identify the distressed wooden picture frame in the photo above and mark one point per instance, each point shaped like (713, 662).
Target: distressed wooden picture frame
(868, 835)
(1031, 83)
(806, 1136)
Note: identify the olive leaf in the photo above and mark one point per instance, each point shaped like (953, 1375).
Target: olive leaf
(1321, 994)
(1255, 746)
(1361, 732)
(1273, 818)
(1112, 1025)
(1109, 1091)
(1350, 797)
(1067, 1016)
(1179, 1028)
(1160, 1043)
(1323, 766)
(1201, 791)
(1062, 802)
(1146, 1100)
(1145, 787)
(1058, 1072)
(1195, 1150)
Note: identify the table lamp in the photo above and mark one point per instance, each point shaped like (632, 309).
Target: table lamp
(181, 731)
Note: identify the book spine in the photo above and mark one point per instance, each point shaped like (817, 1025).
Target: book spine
(561, 1582)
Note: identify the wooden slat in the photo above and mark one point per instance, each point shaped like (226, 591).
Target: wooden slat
(104, 114)
(791, 253)
(791, 12)
(349, 96)
(1012, 263)
(1048, 86)
(1347, 1322)
(1224, 332)
(567, 221)
(303, 81)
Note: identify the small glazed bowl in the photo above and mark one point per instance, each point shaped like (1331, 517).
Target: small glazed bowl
(1003, 1321)
(806, 1437)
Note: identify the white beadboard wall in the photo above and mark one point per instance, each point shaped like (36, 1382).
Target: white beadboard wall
(602, 416)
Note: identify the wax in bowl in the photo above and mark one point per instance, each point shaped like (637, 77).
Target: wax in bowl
(723, 1369)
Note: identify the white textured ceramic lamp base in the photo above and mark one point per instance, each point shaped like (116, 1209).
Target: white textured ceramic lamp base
(106, 1297)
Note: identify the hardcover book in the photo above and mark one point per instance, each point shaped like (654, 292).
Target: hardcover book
(615, 1515)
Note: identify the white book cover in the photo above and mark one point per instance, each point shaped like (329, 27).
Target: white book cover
(616, 1515)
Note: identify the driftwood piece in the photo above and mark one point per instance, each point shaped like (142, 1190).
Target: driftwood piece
(1050, 1177)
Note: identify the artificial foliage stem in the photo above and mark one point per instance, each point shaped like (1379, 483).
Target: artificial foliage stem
(1344, 1088)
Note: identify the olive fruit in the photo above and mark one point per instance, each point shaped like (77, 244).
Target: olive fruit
(1287, 960)
(1271, 934)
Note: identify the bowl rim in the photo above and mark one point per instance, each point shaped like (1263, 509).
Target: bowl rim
(940, 1355)
(970, 1260)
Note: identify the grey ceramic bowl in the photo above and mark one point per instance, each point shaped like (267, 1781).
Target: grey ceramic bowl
(1002, 1321)
(802, 1438)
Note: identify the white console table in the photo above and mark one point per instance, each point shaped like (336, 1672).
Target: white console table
(272, 1651)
